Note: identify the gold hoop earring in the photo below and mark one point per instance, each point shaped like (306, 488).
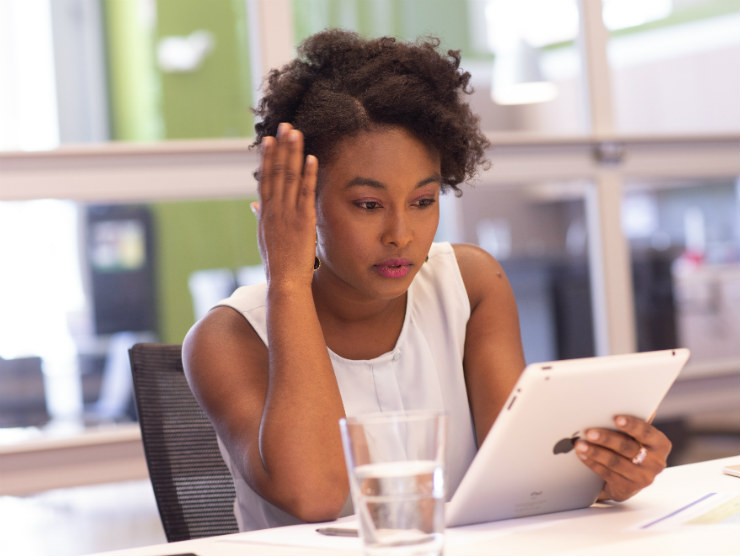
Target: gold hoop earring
(316, 263)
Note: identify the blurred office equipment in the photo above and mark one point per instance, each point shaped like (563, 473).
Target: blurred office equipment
(555, 312)
(120, 270)
(22, 395)
(209, 286)
(708, 309)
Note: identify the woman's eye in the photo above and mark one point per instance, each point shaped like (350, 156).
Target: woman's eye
(368, 205)
(423, 203)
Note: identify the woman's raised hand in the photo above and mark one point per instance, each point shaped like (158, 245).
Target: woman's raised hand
(287, 212)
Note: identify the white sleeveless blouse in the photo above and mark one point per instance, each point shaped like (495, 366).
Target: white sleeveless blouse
(423, 371)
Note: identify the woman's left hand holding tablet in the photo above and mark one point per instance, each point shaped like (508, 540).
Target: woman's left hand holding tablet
(628, 459)
(286, 212)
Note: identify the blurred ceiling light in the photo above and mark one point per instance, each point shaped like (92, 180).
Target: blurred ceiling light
(525, 93)
(517, 78)
(539, 22)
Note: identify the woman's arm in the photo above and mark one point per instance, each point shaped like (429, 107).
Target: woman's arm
(277, 410)
(494, 357)
(628, 458)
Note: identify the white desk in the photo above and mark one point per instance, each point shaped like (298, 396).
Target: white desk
(649, 523)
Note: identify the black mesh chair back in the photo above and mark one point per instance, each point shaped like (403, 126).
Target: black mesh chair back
(192, 485)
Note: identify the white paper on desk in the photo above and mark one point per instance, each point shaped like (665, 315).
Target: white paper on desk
(712, 508)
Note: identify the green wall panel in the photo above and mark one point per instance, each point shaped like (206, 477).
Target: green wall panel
(214, 99)
(192, 236)
(133, 82)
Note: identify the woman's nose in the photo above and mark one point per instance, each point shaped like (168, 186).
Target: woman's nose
(397, 230)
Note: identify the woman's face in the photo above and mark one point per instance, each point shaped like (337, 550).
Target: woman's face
(377, 211)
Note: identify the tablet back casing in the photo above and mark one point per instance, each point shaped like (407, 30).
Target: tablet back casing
(527, 465)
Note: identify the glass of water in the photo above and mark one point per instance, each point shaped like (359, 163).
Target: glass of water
(395, 462)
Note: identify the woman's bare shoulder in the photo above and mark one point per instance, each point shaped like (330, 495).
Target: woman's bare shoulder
(480, 271)
(471, 255)
(222, 339)
(218, 326)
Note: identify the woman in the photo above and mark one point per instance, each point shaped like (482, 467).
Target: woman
(361, 310)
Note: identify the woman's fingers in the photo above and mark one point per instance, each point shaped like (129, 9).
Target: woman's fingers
(628, 459)
(286, 209)
(644, 433)
(273, 168)
(264, 185)
(275, 172)
(635, 435)
(283, 175)
(307, 195)
(293, 169)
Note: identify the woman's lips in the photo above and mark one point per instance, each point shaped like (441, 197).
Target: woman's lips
(393, 268)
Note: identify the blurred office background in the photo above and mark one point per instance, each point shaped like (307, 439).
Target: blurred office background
(613, 200)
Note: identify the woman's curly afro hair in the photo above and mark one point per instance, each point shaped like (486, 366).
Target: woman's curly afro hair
(341, 84)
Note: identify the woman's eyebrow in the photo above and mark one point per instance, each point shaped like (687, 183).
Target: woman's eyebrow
(359, 181)
(434, 178)
(369, 182)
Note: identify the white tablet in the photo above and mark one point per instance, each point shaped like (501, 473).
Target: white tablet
(527, 464)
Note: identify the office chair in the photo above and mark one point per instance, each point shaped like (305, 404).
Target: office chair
(192, 485)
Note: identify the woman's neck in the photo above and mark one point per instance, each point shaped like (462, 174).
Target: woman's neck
(358, 327)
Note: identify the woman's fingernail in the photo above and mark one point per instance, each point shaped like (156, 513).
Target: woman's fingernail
(621, 421)
(581, 446)
(593, 435)
(255, 206)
